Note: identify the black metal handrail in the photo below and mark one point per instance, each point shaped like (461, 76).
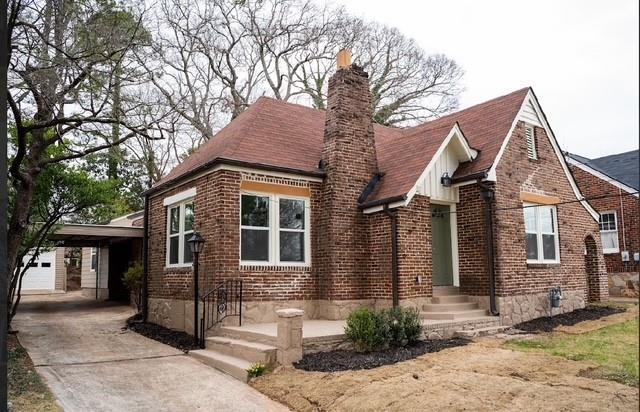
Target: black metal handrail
(221, 302)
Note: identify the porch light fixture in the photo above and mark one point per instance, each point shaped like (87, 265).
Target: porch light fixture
(196, 244)
(446, 180)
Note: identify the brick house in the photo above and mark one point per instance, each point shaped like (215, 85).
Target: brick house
(612, 183)
(326, 211)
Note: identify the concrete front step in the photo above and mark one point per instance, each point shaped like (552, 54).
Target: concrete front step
(449, 307)
(450, 299)
(241, 334)
(475, 333)
(454, 315)
(446, 290)
(243, 349)
(230, 365)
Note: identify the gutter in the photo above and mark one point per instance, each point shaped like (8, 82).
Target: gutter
(488, 195)
(145, 261)
(394, 254)
(230, 162)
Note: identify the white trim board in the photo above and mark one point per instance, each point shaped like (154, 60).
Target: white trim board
(531, 99)
(179, 197)
(602, 176)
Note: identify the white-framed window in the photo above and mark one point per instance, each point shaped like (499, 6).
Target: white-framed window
(609, 232)
(94, 258)
(530, 137)
(274, 230)
(541, 231)
(180, 223)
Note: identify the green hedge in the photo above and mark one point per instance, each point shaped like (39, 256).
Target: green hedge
(371, 330)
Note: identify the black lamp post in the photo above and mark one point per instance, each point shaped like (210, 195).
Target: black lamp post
(196, 244)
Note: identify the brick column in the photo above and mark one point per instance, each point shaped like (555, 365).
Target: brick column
(289, 341)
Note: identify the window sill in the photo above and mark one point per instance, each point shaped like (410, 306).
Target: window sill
(610, 251)
(542, 265)
(178, 268)
(274, 268)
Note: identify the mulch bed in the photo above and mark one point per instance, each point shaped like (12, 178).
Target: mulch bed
(177, 339)
(548, 323)
(342, 360)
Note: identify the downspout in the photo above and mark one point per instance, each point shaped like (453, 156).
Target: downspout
(393, 216)
(145, 260)
(488, 195)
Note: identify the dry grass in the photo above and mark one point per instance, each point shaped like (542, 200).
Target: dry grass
(27, 391)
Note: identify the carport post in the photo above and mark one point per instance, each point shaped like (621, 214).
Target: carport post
(97, 268)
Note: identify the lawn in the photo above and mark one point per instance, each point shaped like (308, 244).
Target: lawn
(614, 348)
(27, 391)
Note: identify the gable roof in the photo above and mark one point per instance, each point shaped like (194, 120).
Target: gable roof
(622, 167)
(276, 135)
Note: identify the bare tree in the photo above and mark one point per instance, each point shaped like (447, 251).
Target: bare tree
(60, 89)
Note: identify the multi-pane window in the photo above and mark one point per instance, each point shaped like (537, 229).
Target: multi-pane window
(531, 142)
(541, 231)
(274, 229)
(609, 232)
(180, 222)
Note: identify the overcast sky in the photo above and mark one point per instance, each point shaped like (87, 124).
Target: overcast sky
(580, 57)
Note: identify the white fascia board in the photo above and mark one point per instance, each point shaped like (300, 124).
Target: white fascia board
(179, 197)
(602, 176)
(492, 172)
(380, 208)
(454, 132)
(235, 168)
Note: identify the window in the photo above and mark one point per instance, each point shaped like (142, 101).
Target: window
(609, 232)
(94, 259)
(541, 231)
(274, 230)
(180, 223)
(531, 142)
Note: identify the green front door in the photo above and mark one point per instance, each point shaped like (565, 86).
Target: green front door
(441, 245)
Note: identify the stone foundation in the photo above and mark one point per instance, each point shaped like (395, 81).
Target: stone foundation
(623, 284)
(178, 314)
(516, 309)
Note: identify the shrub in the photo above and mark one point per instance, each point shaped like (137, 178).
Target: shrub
(374, 330)
(133, 281)
(367, 329)
(256, 369)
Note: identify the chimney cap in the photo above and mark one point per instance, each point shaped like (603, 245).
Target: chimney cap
(344, 59)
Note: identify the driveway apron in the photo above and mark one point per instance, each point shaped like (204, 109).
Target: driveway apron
(91, 362)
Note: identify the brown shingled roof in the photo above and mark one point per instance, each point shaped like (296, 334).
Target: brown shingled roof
(273, 134)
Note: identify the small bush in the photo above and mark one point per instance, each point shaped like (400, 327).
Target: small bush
(374, 330)
(367, 329)
(133, 281)
(256, 369)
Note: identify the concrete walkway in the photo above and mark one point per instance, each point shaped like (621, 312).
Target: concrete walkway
(91, 363)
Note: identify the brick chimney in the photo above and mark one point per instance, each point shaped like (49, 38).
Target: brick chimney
(350, 162)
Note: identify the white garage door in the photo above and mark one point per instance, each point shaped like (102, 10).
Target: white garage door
(42, 273)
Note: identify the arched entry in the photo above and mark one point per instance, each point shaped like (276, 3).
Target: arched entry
(592, 266)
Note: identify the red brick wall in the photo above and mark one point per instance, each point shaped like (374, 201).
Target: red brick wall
(217, 217)
(414, 249)
(378, 277)
(349, 158)
(625, 205)
(472, 244)
(516, 173)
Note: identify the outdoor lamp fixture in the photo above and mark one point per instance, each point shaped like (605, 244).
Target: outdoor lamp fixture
(196, 244)
(446, 180)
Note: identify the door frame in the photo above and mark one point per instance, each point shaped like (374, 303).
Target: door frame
(453, 222)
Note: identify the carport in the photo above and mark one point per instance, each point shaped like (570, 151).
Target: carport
(107, 252)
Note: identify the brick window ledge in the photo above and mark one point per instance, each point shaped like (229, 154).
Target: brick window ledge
(177, 270)
(274, 268)
(543, 265)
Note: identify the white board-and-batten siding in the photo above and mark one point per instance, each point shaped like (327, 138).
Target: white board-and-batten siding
(431, 185)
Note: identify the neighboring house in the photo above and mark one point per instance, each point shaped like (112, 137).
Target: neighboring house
(611, 184)
(46, 274)
(107, 252)
(326, 211)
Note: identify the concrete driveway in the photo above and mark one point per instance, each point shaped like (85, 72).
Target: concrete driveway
(91, 363)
